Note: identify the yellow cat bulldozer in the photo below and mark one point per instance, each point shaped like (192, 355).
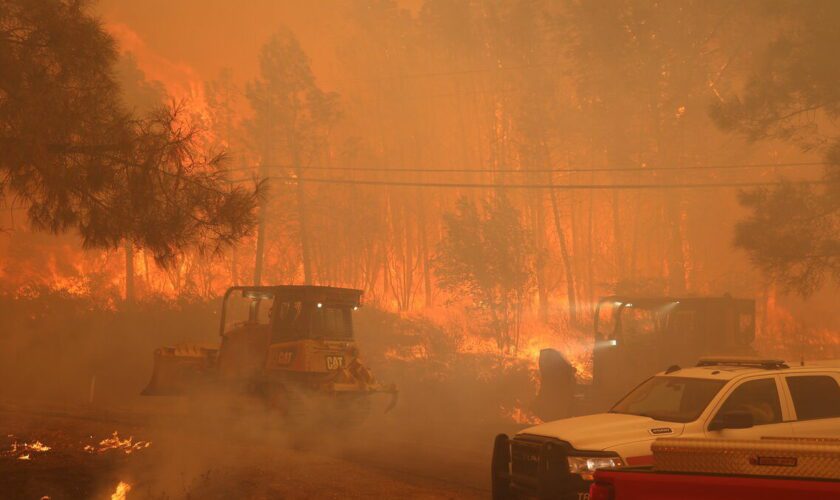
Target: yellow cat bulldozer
(291, 347)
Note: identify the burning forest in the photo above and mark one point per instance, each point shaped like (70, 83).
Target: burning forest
(248, 250)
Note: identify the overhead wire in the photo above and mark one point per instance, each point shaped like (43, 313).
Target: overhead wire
(467, 185)
(559, 170)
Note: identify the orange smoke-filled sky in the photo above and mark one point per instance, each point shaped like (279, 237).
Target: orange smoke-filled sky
(183, 42)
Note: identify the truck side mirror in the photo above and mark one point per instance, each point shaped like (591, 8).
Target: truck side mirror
(732, 420)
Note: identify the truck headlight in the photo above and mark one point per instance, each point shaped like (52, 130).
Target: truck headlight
(585, 466)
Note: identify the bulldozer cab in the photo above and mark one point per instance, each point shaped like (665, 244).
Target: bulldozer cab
(288, 313)
(636, 336)
(256, 318)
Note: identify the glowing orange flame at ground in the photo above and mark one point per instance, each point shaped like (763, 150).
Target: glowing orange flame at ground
(521, 416)
(38, 446)
(26, 449)
(121, 492)
(114, 442)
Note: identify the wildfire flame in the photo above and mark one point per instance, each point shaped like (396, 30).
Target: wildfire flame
(127, 445)
(38, 446)
(409, 353)
(121, 492)
(26, 449)
(521, 416)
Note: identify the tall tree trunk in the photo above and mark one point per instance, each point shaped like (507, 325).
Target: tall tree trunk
(637, 218)
(567, 261)
(303, 222)
(618, 239)
(262, 217)
(146, 272)
(676, 258)
(234, 267)
(577, 244)
(590, 273)
(258, 264)
(129, 273)
(386, 239)
(424, 248)
(407, 268)
(538, 217)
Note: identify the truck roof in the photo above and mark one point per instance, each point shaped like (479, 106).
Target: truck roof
(653, 301)
(731, 368)
(305, 293)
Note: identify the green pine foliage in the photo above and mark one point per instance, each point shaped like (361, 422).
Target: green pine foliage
(79, 160)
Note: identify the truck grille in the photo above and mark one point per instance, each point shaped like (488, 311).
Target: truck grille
(524, 458)
(534, 468)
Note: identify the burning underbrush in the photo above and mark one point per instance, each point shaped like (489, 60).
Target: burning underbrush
(114, 442)
(24, 449)
(449, 369)
(121, 491)
(66, 455)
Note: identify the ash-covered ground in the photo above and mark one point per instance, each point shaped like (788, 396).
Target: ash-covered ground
(87, 452)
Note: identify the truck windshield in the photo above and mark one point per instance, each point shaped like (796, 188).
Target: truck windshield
(605, 319)
(672, 399)
(639, 324)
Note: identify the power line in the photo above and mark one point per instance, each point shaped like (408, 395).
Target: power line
(565, 187)
(465, 71)
(572, 170)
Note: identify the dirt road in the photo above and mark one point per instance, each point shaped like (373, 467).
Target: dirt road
(176, 454)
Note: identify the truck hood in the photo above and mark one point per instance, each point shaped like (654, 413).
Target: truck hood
(605, 430)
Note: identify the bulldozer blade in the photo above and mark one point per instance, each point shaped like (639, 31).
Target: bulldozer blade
(179, 370)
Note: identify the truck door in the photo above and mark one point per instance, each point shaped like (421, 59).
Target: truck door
(760, 398)
(816, 404)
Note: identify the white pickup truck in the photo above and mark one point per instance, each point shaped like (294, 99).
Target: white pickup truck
(724, 398)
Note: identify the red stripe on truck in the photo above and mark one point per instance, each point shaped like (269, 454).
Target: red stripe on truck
(643, 460)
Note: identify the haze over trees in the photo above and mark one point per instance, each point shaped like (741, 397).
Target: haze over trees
(793, 94)
(292, 116)
(391, 140)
